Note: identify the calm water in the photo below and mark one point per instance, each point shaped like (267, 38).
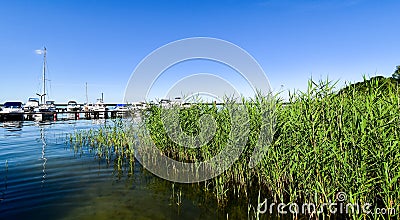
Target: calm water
(42, 177)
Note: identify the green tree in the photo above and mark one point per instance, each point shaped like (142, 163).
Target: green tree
(396, 73)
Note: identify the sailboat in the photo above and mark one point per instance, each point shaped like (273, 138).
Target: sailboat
(100, 108)
(46, 110)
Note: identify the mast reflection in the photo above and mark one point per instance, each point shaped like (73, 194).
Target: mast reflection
(43, 158)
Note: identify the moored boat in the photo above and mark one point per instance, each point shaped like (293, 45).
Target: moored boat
(121, 110)
(51, 105)
(73, 106)
(31, 104)
(100, 109)
(47, 110)
(12, 111)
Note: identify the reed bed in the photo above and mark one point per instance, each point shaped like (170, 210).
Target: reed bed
(328, 143)
(111, 142)
(324, 142)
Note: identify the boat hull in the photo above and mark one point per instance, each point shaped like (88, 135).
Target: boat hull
(11, 117)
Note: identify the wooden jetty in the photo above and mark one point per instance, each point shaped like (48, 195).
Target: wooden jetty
(64, 115)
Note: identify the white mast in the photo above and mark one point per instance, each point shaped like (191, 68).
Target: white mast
(44, 75)
(43, 95)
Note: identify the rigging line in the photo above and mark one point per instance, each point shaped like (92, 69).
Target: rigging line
(48, 78)
(51, 89)
(39, 80)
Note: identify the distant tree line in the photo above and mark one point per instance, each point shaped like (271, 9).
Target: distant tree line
(377, 82)
(396, 73)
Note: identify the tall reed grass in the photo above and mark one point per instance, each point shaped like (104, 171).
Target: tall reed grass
(111, 142)
(328, 143)
(325, 142)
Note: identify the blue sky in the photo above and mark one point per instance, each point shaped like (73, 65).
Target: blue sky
(101, 42)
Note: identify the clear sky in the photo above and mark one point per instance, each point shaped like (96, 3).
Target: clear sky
(101, 42)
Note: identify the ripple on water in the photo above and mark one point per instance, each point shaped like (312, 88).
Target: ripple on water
(42, 177)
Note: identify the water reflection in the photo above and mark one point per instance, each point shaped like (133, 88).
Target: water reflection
(47, 179)
(13, 125)
(44, 159)
(3, 191)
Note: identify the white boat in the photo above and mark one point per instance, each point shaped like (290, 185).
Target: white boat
(12, 111)
(140, 106)
(29, 108)
(178, 101)
(186, 105)
(88, 107)
(31, 104)
(100, 108)
(121, 110)
(73, 106)
(51, 106)
(165, 103)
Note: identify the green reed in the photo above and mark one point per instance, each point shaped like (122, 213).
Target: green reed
(112, 142)
(328, 143)
(324, 142)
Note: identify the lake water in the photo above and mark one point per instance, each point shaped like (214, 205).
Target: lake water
(42, 177)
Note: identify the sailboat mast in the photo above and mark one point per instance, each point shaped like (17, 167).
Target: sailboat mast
(44, 75)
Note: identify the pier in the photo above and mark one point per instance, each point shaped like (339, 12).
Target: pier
(64, 115)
